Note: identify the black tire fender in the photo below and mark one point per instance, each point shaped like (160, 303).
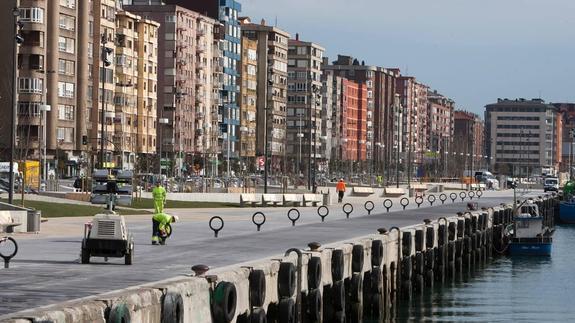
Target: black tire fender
(119, 313)
(257, 281)
(376, 253)
(376, 280)
(314, 273)
(357, 258)
(337, 265)
(258, 315)
(172, 308)
(287, 311)
(224, 302)
(286, 279)
(356, 288)
(356, 313)
(314, 303)
(338, 295)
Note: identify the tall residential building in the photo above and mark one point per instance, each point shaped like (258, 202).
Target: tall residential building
(523, 136)
(186, 81)
(272, 82)
(331, 119)
(226, 12)
(440, 121)
(468, 147)
(381, 105)
(566, 124)
(305, 104)
(248, 101)
(354, 121)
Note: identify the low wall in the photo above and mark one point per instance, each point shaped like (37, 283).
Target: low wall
(363, 278)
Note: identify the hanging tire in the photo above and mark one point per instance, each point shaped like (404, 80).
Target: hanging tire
(286, 279)
(355, 313)
(376, 281)
(406, 268)
(172, 308)
(287, 313)
(418, 263)
(119, 314)
(257, 281)
(258, 315)
(418, 284)
(224, 301)
(337, 265)
(314, 273)
(429, 279)
(338, 295)
(357, 258)
(430, 259)
(376, 253)
(356, 288)
(406, 290)
(339, 317)
(314, 305)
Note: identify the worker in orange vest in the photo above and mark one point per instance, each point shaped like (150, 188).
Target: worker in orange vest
(340, 188)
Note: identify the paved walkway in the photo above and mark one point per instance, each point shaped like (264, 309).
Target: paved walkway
(47, 269)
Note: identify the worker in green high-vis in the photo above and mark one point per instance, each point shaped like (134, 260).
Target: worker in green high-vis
(161, 228)
(159, 196)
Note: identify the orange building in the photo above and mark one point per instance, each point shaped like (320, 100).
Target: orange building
(354, 120)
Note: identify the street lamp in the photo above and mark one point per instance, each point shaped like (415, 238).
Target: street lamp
(161, 122)
(344, 141)
(43, 109)
(18, 41)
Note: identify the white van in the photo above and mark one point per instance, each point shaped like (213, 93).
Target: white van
(551, 184)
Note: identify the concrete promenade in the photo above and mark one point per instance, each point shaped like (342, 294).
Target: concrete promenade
(47, 268)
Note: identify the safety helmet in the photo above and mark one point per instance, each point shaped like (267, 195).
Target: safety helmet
(175, 218)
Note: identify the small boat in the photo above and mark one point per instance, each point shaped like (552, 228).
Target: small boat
(529, 236)
(567, 211)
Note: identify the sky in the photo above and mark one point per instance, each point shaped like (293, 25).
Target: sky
(471, 51)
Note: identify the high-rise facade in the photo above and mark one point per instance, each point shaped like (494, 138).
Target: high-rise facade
(272, 98)
(248, 101)
(523, 136)
(305, 103)
(468, 147)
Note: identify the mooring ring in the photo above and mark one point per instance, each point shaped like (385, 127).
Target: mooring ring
(453, 197)
(293, 219)
(443, 198)
(479, 194)
(404, 202)
(387, 205)
(215, 229)
(471, 195)
(431, 199)
(8, 257)
(463, 195)
(369, 209)
(259, 224)
(321, 214)
(347, 209)
(418, 200)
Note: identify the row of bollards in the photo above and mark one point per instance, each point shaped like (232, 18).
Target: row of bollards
(259, 218)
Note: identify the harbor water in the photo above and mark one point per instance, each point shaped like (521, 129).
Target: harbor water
(527, 289)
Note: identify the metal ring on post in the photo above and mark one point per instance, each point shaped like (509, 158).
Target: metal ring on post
(479, 194)
(293, 219)
(463, 195)
(259, 224)
(370, 208)
(10, 256)
(216, 230)
(471, 195)
(404, 202)
(418, 200)
(431, 199)
(321, 214)
(443, 198)
(453, 197)
(387, 204)
(347, 209)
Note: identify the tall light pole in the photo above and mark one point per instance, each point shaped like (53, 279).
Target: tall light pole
(43, 109)
(397, 108)
(161, 123)
(106, 61)
(300, 136)
(18, 41)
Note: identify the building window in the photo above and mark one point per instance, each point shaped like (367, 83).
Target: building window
(66, 67)
(31, 15)
(66, 112)
(30, 85)
(67, 22)
(66, 45)
(170, 18)
(65, 90)
(68, 3)
(29, 109)
(65, 134)
(36, 62)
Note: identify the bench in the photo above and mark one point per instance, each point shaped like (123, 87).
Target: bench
(362, 191)
(314, 199)
(393, 192)
(7, 223)
(293, 199)
(274, 199)
(249, 199)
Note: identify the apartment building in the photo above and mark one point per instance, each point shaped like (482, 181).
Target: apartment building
(186, 83)
(331, 120)
(272, 90)
(248, 101)
(566, 124)
(354, 120)
(440, 112)
(468, 144)
(523, 136)
(305, 102)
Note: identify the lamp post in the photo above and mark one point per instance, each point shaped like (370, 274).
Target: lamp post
(344, 141)
(18, 40)
(378, 154)
(300, 136)
(161, 123)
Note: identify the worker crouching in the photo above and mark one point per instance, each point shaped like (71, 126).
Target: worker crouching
(161, 228)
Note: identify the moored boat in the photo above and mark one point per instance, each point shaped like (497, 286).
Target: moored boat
(529, 235)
